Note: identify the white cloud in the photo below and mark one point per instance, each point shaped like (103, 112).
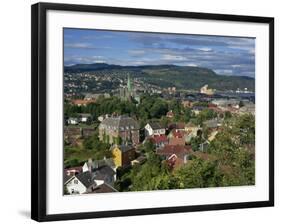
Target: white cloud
(206, 49)
(79, 45)
(173, 57)
(192, 64)
(99, 61)
(236, 66)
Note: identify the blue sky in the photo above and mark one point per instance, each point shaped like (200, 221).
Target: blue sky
(225, 55)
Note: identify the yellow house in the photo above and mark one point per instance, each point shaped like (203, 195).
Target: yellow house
(123, 154)
(190, 127)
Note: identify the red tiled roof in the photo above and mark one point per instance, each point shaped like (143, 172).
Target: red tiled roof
(156, 139)
(178, 150)
(175, 161)
(177, 141)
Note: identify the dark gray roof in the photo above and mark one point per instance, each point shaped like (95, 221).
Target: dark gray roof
(102, 172)
(66, 177)
(121, 123)
(156, 125)
(86, 178)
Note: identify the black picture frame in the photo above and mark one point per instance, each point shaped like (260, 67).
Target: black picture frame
(38, 108)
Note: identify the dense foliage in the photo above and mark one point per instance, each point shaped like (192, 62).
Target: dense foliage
(150, 108)
(90, 147)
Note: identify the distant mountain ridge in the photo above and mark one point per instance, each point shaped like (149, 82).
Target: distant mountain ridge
(183, 77)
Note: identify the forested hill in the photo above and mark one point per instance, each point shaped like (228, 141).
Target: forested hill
(183, 77)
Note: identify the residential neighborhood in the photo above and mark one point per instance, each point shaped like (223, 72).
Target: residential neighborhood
(107, 147)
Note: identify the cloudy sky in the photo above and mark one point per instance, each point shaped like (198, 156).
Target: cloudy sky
(225, 55)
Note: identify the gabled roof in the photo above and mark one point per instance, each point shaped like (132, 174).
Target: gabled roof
(156, 139)
(177, 141)
(102, 172)
(175, 161)
(156, 125)
(178, 150)
(121, 123)
(66, 177)
(86, 178)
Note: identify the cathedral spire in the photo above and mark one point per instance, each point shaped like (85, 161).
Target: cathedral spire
(129, 84)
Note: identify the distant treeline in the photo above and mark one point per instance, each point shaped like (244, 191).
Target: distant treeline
(182, 77)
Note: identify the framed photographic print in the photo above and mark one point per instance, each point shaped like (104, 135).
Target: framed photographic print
(139, 111)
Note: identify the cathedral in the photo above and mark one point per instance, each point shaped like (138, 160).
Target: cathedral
(128, 93)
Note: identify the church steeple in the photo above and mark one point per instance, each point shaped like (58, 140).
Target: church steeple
(129, 84)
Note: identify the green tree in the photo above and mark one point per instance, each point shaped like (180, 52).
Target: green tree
(187, 115)
(153, 175)
(98, 148)
(198, 173)
(195, 143)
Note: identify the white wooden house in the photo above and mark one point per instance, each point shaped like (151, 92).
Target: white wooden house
(89, 179)
(154, 128)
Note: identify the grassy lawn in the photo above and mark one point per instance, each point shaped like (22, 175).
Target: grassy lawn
(82, 155)
(78, 154)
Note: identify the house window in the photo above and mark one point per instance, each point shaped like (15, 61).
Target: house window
(75, 181)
